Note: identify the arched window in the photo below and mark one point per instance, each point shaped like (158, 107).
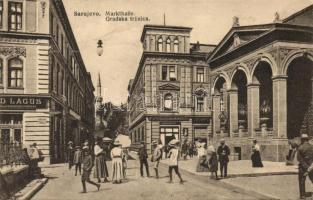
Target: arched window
(1, 71)
(160, 44)
(168, 102)
(15, 73)
(168, 45)
(176, 45)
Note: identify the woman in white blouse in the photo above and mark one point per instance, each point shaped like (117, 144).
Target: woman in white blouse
(117, 164)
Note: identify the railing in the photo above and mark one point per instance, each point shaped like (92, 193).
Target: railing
(10, 154)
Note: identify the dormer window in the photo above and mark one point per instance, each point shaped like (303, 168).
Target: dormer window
(176, 45)
(160, 44)
(168, 45)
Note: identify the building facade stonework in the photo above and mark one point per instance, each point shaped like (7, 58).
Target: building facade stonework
(46, 94)
(169, 96)
(261, 79)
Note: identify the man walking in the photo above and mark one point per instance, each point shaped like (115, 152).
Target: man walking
(143, 156)
(305, 158)
(223, 152)
(87, 166)
(173, 162)
(157, 154)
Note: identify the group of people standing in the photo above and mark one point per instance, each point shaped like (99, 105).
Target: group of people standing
(209, 158)
(84, 158)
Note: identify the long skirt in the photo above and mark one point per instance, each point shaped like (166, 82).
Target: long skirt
(101, 170)
(256, 159)
(202, 165)
(117, 169)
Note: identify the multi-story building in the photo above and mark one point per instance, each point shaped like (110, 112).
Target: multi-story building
(46, 94)
(169, 96)
(261, 78)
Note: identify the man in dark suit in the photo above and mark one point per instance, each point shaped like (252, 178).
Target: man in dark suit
(305, 158)
(223, 152)
(143, 157)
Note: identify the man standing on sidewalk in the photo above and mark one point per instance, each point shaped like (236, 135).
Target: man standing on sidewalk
(156, 157)
(173, 162)
(223, 152)
(143, 157)
(305, 158)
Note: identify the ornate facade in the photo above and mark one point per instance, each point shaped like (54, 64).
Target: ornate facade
(46, 94)
(169, 96)
(261, 79)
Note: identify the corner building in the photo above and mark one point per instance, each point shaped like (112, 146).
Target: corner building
(46, 94)
(169, 96)
(261, 79)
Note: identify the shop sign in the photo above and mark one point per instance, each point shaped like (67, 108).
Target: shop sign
(201, 120)
(23, 102)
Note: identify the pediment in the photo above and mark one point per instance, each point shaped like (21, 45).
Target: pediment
(169, 86)
(236, 38)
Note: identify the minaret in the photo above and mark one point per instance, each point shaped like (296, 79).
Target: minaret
(99, 86)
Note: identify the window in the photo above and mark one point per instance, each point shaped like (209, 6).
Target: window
(15, 73)
(164, 73)
(168, 102)
(176, 45)
(200, 75)
(200, 103)
(1, 71)
(160, 44)
(62, 44)
(168, 45)
(18, 135)
(15, 16)
(172, 73)
(1, 13)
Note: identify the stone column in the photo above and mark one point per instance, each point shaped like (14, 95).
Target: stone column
(280, 106)
(253, 93)
(233, 111)
(216, 113)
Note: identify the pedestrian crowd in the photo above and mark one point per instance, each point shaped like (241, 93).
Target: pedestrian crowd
(85, 159)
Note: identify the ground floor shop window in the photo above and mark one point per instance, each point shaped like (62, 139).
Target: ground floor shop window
(11, 128)
(168, 134)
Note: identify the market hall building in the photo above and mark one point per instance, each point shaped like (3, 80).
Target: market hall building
(169, 96)
(46, 94)
(261, 77)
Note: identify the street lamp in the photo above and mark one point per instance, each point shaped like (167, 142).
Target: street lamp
(99, 48)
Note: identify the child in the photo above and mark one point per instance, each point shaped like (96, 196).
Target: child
(87, 166)
(78, 159)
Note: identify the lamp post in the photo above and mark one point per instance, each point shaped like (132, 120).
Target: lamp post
(99, 48)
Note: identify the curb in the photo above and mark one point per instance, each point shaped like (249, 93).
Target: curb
(34, 190)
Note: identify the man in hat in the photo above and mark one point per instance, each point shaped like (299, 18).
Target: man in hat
(223, 152)
(87, 166)
(70, 154)
(305, 158)
(143, 157)
(156, 157)
(173, 162)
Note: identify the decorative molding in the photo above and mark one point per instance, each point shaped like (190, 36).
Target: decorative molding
(283, 53)
(169, 86)
(43, 8)
(250, 63)
(13, 51)
(15, 40)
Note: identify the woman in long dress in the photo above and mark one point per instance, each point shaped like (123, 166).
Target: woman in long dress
(213, 162)
(117, 164)
(202, 165)
(256, 156)
(100, 170)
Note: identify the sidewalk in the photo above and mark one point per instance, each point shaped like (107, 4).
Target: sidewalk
(241, 168)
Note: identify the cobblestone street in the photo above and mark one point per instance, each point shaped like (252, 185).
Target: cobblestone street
(69, 186)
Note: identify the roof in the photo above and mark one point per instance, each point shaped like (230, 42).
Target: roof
(162, 27)
(298, 13)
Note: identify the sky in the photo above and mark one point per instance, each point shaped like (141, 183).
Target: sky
(210, 20)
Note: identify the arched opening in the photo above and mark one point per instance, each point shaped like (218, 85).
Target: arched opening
(160, 44)
(299, 98)
(168, 102)
(220, 106)
(176, 45)
(263, 76)
(168, 45)
(15, 68)
(239, 84)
